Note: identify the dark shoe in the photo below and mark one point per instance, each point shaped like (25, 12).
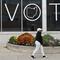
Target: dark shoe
(32, 56)
(44, 56)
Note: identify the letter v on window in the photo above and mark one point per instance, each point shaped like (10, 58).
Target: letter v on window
(11, 17)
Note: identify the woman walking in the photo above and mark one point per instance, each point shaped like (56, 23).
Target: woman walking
(38, 43)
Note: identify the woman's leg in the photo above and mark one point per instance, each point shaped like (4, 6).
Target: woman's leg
(36, 48)
(42, 50)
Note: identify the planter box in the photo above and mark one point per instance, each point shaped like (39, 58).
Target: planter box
(18, 48)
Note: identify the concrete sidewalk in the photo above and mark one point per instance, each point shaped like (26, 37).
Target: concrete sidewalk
(52, 54)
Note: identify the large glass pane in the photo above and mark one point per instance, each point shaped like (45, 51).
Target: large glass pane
(53, 15)
(11, 15)
(32, 17)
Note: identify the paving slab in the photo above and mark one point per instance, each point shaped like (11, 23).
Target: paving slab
(51, 53)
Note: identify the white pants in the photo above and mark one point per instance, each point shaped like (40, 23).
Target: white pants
(38, 45)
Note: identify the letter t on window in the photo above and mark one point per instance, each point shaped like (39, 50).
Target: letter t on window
(55, 4)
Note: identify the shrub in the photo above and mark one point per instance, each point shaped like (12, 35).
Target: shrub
(13, 40)
(28, 39)
(57, 42)
(25, 39)
(46, 39)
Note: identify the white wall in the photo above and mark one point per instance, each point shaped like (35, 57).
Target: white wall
(4, 37)
(55, 34)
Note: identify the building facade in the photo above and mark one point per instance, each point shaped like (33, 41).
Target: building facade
(18, 16)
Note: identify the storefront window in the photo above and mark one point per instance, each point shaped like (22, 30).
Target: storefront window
(32, 17)
(53, 15)
(11, 15)
(20, 15)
